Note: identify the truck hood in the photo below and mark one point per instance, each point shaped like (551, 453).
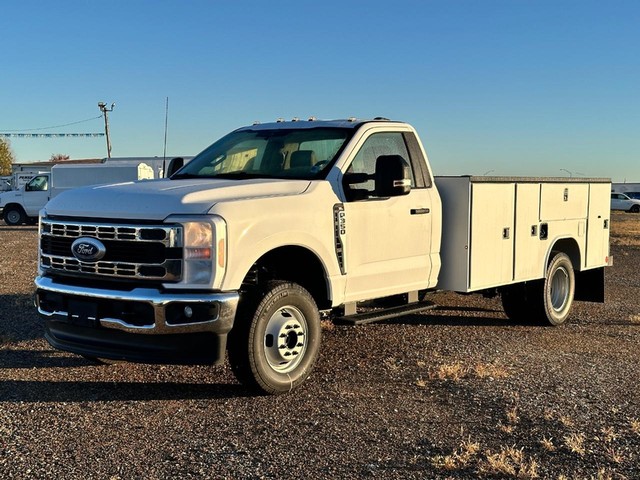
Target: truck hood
(157, 199)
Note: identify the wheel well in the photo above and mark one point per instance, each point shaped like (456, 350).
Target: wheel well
(571, 248)
(295, 264)
(16, 205)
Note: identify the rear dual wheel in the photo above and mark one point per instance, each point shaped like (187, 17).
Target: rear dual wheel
(546, 301)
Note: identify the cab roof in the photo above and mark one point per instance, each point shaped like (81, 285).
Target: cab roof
(350, 123)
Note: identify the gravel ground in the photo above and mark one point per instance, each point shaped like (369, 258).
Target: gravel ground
(458, 392)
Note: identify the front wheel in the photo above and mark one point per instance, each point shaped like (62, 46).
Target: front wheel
(635, 209)
(14, 216)
(275, 342)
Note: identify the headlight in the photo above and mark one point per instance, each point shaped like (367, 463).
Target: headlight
(198, 241)
(198, 249)
(204, 246)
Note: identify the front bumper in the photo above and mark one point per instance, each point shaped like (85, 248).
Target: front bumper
(142, 325)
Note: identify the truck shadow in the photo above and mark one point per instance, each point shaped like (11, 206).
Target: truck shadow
(87, 391)
(19, 320)
(476, 317)
(26, 228)
(14, 391)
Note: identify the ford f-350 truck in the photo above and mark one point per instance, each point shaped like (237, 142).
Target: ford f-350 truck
(276, 225)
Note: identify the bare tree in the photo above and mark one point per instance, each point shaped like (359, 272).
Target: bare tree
(59, 157)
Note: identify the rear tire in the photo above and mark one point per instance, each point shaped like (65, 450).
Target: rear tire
(559, 289)
(14, 216)
(275, 342)
(547, 301)
(514, 301)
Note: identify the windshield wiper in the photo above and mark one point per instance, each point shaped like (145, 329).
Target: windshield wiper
(240, 175)
(182, 176)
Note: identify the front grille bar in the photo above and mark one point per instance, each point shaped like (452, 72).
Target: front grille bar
(166, 270)
(168, 235)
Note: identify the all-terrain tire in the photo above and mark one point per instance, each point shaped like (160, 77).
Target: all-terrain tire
(276, 338)
(514, 302)
(559, 289)
(543, 302)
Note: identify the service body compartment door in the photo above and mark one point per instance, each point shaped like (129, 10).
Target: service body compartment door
(492, 234)
(529, 249)
(598, 225)
(563, 201)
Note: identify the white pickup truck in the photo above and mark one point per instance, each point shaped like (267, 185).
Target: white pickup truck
(278, 225)
(22, 205)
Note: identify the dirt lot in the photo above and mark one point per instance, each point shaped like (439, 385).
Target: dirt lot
(458, 392)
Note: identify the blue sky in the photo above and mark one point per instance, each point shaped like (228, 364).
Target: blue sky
(508, 87)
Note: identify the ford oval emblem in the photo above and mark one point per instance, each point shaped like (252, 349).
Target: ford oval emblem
(88, 249)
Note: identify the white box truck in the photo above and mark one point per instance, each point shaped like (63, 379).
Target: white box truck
(22, 205)
(275, 225)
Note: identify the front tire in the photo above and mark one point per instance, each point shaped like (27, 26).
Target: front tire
(635, 209)
(14, 216)
(275, 342)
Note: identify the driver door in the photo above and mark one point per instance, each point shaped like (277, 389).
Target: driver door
(388, 239)
(36, 194)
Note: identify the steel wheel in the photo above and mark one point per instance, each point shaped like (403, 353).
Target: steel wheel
(285, 339)
(13, 216)
(560, 288)
(276, 337)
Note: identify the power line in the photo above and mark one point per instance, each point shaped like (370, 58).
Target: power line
(53, 126)
(49, 135)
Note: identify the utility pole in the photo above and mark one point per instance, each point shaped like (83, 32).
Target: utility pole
(103, 108)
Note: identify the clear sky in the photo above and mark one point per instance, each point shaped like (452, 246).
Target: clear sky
(513, 87)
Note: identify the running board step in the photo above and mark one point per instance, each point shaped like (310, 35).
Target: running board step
(384, 314)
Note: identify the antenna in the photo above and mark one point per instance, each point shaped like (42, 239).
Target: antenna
(166, 124)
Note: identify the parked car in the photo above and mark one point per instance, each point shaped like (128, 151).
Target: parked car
(634, 195)
(621, 201)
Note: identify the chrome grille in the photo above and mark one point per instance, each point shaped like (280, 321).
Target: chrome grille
(141, 252)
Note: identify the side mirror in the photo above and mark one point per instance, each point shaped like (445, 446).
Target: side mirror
(393, 176)
(174, 165)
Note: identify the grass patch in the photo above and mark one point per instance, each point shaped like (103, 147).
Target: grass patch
(547, 444)
(327, 325)
(509, 461)
(575, 443)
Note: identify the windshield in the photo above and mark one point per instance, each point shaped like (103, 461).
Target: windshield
(279, 153)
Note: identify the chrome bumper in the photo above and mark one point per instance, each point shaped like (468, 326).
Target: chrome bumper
(223, 304)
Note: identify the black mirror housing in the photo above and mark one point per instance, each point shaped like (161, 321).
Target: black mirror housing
(393, 176)
(174, 165)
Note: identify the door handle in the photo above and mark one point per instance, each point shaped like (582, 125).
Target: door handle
(419, 211)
